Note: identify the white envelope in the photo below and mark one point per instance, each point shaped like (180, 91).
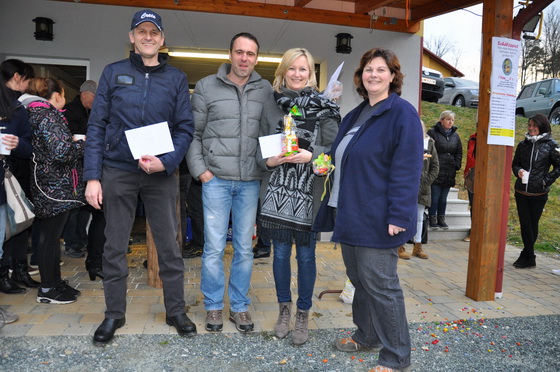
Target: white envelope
(271, 145)
(152, 139)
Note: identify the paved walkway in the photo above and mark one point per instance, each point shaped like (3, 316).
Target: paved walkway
(434, 291)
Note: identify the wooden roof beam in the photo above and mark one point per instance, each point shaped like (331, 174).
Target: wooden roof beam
(365, 6)
(438, 7)
(301, 3)
(268, 11)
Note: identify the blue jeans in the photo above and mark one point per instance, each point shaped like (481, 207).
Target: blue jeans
(219, 197)
(378, 307)
(439, 200)
(307, 271)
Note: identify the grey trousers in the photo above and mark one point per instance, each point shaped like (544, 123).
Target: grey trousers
(378, 306)
(159, 194)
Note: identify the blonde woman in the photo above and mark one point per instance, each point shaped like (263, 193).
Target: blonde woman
(450, 154)
(290, 193)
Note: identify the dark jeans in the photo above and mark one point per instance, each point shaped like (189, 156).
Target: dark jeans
(96, 239)
(159, 195)
(439, 200)
(378, 307)
(75, 233)
(306, 274)
(15, 249)
(196, 213)
(529, 209)
(48, 249)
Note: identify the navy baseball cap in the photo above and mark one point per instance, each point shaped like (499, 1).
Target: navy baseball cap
(146, 15)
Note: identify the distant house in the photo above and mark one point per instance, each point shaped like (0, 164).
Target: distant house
(429, 59)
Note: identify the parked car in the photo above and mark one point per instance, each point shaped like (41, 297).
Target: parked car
(432, 84)
(460, 92)
(542, 97)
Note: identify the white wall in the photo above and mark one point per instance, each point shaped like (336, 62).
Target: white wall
(98, 34)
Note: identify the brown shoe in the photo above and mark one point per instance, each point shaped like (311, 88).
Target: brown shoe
(282, 326)
(300, 334)
(349, 345)
(214, 321)
(242, 321)
(418, 252)
(403, 254)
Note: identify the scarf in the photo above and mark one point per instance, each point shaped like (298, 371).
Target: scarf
(287, 208)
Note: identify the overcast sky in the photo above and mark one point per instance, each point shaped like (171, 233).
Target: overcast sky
(463, 27)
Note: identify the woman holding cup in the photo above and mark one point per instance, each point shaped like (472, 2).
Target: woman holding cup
(15, 149)
(531, 165)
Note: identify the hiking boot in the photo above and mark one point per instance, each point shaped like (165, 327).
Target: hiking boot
(418, 252)
(282, 326)
(54, 296)
(214, 321)
(242, 321)
(441, 222)
(192, 251)
(74, 252)
(433, 222)
(403, 254)
(7, 317)
(300, 334)
(349, 345)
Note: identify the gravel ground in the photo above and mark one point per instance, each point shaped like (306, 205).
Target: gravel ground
(507, 344)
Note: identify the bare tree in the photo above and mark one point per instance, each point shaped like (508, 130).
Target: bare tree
(552, 42)
(532, 57)
(440, 45)
(456, 57)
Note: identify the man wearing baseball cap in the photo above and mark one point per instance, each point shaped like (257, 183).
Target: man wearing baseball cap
(136, 92)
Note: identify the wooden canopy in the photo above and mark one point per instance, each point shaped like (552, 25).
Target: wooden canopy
(387, 15)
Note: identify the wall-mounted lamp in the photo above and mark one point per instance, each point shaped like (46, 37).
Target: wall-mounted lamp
(531, 26)
(343, 43)
(43, 28)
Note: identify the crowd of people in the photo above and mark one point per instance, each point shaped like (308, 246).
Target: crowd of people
(74, 162)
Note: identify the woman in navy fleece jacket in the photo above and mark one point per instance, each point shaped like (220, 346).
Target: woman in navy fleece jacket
(372, 205)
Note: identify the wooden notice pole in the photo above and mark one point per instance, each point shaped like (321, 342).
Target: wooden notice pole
(491, 161)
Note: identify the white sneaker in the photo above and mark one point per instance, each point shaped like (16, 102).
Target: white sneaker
(556, 272)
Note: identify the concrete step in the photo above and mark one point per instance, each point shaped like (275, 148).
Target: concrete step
(457, 205)
(458, 218)
(455, 232)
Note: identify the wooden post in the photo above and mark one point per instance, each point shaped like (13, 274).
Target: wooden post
(491, 161)
(153, 266)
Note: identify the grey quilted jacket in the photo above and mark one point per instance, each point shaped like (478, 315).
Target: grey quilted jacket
(227, 121)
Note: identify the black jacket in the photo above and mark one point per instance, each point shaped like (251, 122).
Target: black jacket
(77, 116)
(536, 154)
(450, 154)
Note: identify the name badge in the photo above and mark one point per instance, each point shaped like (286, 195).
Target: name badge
(125, 79)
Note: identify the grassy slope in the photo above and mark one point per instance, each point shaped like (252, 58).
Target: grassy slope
(465, 120)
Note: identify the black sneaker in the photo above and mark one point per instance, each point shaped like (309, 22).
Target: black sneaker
(55, 296)
(74, 252)
(192, 252)
(65, 287)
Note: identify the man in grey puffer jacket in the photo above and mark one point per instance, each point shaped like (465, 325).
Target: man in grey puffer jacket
(227, 115)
